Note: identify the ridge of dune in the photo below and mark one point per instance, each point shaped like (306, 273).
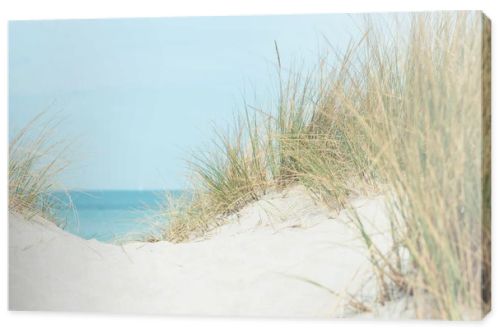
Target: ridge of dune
(284, 255)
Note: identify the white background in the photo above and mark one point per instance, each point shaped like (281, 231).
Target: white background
(43, 322)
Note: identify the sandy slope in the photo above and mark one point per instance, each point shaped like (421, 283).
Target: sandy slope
(260, 265)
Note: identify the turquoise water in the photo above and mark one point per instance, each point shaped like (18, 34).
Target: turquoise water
(110, 215)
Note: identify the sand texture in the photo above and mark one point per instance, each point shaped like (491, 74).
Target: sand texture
(283, 256)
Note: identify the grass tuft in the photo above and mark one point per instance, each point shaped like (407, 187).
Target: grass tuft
(35, 162)
(404, 113)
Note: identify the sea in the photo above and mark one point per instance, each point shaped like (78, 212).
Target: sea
(112, 215)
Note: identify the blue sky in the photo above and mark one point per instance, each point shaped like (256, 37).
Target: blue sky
(137, 95)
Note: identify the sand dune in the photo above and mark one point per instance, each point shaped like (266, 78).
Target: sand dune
(284, 255)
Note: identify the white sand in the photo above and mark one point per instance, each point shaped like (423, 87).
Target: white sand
(261, 264)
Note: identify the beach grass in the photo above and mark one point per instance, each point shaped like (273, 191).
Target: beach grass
(426, 132)
(403, 112)
(36, 161)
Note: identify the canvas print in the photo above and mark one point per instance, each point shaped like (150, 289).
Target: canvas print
(320, 166)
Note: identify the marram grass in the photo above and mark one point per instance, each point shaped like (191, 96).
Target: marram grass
(402, 114)
(36, 161)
